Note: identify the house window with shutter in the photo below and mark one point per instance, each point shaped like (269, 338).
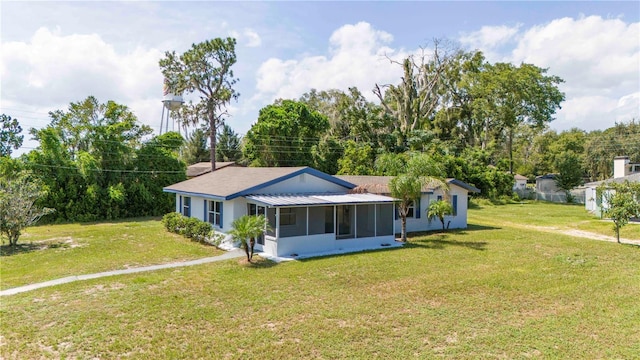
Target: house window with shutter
(186, 206)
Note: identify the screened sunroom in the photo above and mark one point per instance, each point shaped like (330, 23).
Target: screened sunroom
(322, 223)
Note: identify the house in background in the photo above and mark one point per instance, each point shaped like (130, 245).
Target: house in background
(308, 211)
(623, 170)
(519, 182)
(201, 168)
(417, 219)
(547, 190)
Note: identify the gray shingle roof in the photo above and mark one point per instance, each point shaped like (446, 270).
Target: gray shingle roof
(200, 168)
(319, 199)
(231, 181)
(380, 184)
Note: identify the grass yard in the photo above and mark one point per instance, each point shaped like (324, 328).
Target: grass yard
(546, 214)
(49, 252)
(489, 291)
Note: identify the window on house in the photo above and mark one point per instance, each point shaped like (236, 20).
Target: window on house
(411, 210)
(186, 206)
(214, 212)
(454, 204)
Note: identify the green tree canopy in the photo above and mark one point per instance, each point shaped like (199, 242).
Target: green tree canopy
(10, 138)
(621, 203)
(204, 69)
(246, 229)
(18, 208)
(284, 135)
(439, 209)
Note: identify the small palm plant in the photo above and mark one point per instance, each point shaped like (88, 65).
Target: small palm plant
(246, 229)
(438, 209)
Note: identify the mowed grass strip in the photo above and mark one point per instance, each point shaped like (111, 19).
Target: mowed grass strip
(486, 292)
(49, 252)
(547, 214)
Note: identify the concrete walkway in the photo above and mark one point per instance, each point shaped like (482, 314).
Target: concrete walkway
(229, 255)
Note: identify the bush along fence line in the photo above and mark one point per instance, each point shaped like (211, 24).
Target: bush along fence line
(192, 228)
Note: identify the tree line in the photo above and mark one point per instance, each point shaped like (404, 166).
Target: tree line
(481, 122)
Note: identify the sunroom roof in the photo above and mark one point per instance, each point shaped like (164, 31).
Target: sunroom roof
(319, 199)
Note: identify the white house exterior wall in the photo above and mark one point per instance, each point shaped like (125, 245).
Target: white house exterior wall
(327, 242)
(423, 224)
(520, 184)
(590, 199)
(301, 184)
(230, 209)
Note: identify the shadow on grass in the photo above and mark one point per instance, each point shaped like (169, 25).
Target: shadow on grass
(257, 263)
(351, 253)
(7, 250)
(470, 227)
(440, 240)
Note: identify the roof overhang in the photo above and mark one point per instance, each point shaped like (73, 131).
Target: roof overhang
(319, 199)
(190, 193)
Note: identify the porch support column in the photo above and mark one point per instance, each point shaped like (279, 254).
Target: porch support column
(277, 223)
(355, 221)
(393, 219)
(375, 220)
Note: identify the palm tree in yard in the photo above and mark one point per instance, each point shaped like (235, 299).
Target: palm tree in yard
(422, 170)
(246, 229)
(438, 209)
(406, 188)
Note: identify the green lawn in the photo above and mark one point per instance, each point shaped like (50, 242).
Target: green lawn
(560, 216)
(52, 251)
(487, 292)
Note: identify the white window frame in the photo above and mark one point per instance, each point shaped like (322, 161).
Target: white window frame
(411, 208)
(186, 207)
(212, 214)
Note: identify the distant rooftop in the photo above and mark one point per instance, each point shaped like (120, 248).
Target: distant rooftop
(200, 168)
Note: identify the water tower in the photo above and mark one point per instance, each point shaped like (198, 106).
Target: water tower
(170, 102)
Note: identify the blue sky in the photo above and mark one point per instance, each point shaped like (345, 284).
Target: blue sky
(54, 53)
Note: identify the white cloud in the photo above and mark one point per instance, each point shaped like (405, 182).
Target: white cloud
(599, 59)
(253, 39)
(53, 69)
(357, 57)
(248, 37)
(490, 36)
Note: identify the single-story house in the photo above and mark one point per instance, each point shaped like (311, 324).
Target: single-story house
(623, 171)
(519, 182)
(417, 219)
(201, 168)
(308, 211)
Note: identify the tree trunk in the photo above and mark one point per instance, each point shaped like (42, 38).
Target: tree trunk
(403, 236)
(13, 237)
(246, 251)
(442, 221)
(252, 243)
(212, 138)
(618, 232)
(510, 144)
